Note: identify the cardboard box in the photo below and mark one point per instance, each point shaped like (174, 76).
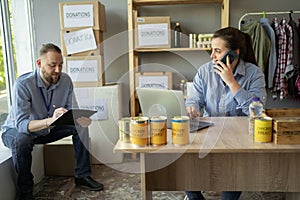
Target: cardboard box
(152, 32)
(86, 71)
(59, 158)
(286, 125)
(74, 15)
(104, 130)
(77, 40)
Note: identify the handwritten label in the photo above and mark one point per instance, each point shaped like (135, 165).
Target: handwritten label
(80, 41)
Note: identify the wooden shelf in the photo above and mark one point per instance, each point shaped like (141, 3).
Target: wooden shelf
(134, 53)
(171, 2)
(145, 50)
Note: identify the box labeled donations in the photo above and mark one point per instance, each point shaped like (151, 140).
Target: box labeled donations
(86, 71)
(104, 130)
(80, 42)
(152, 32)
(82, 15)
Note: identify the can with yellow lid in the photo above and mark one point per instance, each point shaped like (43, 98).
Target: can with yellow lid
(158, 130)
(139, 131)
(263, 129)
(180, 130)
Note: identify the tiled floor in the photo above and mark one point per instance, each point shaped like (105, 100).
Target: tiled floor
(117, 185)
(120, 185)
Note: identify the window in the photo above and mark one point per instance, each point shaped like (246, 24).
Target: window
(7, 59)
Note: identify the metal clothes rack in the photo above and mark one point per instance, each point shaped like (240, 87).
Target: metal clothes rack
(266, 13)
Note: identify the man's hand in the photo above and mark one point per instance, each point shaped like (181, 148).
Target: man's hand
(84, 121)
(58, 112)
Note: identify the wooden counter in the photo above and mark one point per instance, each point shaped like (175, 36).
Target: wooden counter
(222, 157)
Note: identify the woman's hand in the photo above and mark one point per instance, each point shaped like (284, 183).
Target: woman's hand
(192, 112)
(225, 71)
(226, 74)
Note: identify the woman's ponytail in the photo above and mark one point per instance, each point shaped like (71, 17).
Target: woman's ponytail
(248, 55)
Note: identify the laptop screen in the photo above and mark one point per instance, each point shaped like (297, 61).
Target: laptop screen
(160, 102)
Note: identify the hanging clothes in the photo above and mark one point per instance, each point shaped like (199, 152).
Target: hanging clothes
(299, 27)
(292, 89)
(285, 76)
(296, 42)
(297, 85)
(272, 60)
(284, 58)
(289, 70)
(261, 43)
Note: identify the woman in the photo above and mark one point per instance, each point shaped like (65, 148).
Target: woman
(226, 89)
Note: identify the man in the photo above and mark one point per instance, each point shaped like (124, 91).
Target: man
(39, 98)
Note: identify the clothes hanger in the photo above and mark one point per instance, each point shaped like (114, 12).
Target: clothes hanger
(283, 21)
(290, 15)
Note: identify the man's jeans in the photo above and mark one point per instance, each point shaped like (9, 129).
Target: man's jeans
(197, 195)
(22, 144)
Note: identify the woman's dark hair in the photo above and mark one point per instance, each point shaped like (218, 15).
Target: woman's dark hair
(49, 47)
(236, 39)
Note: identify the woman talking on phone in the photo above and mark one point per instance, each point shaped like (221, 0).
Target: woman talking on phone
(226, 88)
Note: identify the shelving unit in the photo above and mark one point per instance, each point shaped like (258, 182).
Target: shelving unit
(133, 53)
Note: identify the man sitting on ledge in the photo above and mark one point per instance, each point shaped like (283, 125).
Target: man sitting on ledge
(39, 98)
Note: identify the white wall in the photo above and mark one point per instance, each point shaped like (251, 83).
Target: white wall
(198, 19)
(8, 179)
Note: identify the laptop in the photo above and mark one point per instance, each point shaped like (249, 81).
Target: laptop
(170, 103)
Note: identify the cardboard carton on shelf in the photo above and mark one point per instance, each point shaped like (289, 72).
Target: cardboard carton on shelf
(152, 32)
(81, 42)
(86, 71)
(74, 15)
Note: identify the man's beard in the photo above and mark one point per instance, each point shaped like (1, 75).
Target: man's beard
(49, 78)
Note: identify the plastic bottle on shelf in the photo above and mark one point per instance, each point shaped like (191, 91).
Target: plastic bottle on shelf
(255, 110)
(183, 87)
(177, 36)
(191, 40)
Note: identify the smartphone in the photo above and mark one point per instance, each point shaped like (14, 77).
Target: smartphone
(232, 55)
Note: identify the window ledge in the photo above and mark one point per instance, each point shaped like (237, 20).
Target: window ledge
(5, 153)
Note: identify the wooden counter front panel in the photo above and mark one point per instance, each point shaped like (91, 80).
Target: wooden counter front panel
(224, 171)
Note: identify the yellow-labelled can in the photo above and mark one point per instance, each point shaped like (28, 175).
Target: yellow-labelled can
(158, 130)
(180, 130)
(124, 129)
(139, 131)
(263, 129)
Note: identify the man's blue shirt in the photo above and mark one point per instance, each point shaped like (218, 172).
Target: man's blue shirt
(29, 104)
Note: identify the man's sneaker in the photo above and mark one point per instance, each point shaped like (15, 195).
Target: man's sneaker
(26, 196)
(89, 183)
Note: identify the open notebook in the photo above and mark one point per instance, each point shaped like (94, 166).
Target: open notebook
(170, 103)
